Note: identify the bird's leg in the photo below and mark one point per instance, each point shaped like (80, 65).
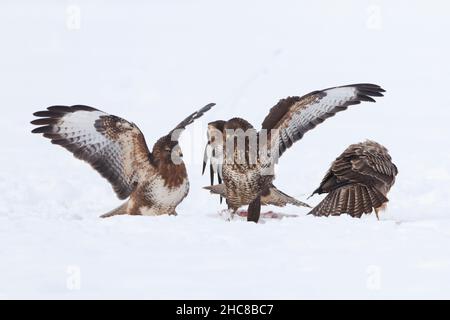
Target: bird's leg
(228, 214)
(376, 213)
(232, 212)
(380, 209)
(254, 210)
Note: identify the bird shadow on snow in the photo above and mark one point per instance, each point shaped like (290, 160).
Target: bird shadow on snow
(269, 215)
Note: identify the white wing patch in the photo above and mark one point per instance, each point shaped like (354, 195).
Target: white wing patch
(295, 116)
(316, 111)
(113, 146)
(79, 127)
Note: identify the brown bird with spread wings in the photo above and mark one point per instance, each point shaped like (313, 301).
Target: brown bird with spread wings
(155, 182)
(357, 182)
(247, 182)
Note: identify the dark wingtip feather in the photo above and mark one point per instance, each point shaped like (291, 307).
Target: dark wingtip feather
(204, 167)
(51, 117)
(205, 158)
(47, 114)
(219, 178)
(80, 107)
(60, 109)
(209, 106)
(45, 129)
(369, 89)
(198, 114)
(44, 121)
(366, 98)
(52, 136)
(317, 191)
(371, 93)
(203, 110)
(211, 174)
(368, 86)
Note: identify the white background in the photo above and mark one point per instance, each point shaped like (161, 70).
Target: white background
(155, 62)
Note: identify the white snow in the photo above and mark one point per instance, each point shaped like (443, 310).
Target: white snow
(155, 63)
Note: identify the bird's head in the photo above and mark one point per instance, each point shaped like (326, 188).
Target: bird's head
(236, 127)
(167, 151)
(241, 140)
(237, 123)
(218, 124)
(214, 128)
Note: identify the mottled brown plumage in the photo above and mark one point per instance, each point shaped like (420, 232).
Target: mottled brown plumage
(155, 182)
(287, 122)
(271, 196)
(357, 182)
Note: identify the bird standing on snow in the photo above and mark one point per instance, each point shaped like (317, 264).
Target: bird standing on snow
(246, 182)
(357, 182)
(214, 153)
(155, 182)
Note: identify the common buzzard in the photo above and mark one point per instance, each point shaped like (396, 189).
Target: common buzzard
(357, 182)
(155, 182)
(245, 182)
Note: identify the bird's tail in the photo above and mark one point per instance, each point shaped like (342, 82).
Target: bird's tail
(217, 189)
(354, 199)
(278, 198)
(272, 197)
(122, 210)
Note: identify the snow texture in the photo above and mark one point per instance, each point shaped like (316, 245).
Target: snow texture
(154, 63)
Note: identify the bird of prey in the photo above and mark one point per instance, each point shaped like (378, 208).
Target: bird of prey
(357, 182)
(153, 182)
(245, 179)
(214, 153)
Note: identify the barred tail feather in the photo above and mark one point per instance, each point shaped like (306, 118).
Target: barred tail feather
(355, 200)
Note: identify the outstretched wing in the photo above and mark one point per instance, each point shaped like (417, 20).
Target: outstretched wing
(113, 146)
(176, 132)
(294, 116)
(367, 163)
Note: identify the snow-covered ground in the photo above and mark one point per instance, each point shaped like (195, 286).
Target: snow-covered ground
(154, 63)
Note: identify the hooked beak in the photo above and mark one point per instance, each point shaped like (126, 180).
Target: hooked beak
(177, 155)
(179, 152)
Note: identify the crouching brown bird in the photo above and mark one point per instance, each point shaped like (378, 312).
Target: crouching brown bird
(357, 182)
(155, 182)
(246, 182)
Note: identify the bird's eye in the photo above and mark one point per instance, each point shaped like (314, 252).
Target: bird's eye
(167, 149)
